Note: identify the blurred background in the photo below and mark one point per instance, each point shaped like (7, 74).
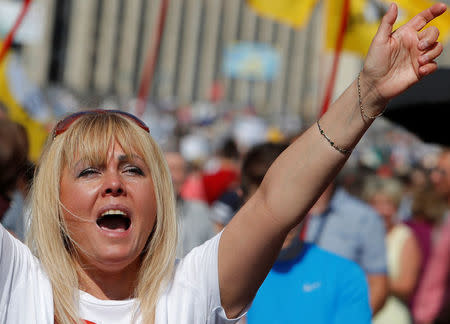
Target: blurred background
(207, 60)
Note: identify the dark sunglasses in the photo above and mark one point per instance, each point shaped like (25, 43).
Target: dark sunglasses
(65, 123)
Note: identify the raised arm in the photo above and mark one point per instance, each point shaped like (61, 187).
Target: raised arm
(251, 242)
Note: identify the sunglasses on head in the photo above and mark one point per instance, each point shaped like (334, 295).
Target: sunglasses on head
(65, 123)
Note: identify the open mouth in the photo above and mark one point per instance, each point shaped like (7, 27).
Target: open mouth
(114, 220)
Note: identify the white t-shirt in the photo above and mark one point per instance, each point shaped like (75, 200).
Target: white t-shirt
(192, 297)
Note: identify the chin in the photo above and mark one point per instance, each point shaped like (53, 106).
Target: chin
(116, 260)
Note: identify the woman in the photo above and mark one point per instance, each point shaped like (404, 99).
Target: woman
(403, 253)
(104, 223)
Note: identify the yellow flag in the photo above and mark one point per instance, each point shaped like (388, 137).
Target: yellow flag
(413, 7)
(37, 133)
(293, 12)
(365, 17)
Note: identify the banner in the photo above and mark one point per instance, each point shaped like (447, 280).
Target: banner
(36, 131)
(365, 17)
(293, 12)
(251, 61)
(413, 7)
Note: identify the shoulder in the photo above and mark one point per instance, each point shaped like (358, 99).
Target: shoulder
(352, 207)
(402, 230)
(200, 260)
(193, 295)
(342, 199)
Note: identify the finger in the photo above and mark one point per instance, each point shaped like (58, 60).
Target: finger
(423, 18)
(431, 54)
(427, 68)
(428, 37)
(387, 23)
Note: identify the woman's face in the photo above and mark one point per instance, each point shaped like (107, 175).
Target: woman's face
(110, 210)
(384, 205)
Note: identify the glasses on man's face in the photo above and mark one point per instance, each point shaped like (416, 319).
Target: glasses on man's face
(65, 123)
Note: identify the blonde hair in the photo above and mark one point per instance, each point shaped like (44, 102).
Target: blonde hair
(428, 205)
(390, 187)
(91, 136)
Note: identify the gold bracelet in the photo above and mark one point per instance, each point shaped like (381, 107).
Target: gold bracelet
(363, 113)
(337, 148)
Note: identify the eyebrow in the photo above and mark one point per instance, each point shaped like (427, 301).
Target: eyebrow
(125, 157)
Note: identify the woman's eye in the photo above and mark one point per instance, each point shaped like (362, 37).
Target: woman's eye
(134, 170)
(87, 172)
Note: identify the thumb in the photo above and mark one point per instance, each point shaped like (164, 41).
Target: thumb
(387, 23)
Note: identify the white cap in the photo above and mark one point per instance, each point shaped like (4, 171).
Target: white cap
(249, 131)
(195, 148)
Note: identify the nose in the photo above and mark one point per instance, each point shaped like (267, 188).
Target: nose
(113, 185)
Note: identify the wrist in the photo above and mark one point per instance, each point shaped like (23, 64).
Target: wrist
(371, 100)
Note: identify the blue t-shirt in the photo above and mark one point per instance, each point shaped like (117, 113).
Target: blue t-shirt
(317, 287)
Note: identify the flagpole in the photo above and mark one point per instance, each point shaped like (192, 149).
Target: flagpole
(10, 37)
(337, 56)
(150, 62)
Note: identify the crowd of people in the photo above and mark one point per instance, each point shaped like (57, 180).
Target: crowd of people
(389, 228)
(118, 230)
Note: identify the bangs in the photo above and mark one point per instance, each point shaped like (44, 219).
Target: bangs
(91, 138)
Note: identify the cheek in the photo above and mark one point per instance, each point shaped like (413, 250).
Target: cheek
(76, 226)
(78, 200)
(148, 207)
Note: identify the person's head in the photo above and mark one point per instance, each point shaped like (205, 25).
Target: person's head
(178, 169)
(229, 150)
(384, 194)
(428, 205)
(13, 155)
(440, 176)
(195, 149)
(102, 200)
(255, 165)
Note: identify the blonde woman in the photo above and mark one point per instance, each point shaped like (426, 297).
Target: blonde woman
(404, 257)
(103, 236)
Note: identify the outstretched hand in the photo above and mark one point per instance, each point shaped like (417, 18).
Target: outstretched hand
(396, 60)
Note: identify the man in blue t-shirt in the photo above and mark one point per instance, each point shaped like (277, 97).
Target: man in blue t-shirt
(316, 287)
(344, 225)
(306, 284)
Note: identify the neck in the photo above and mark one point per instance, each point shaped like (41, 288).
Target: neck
(105, 285)
(292, 251)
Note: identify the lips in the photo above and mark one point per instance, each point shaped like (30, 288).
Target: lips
(114, 219)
